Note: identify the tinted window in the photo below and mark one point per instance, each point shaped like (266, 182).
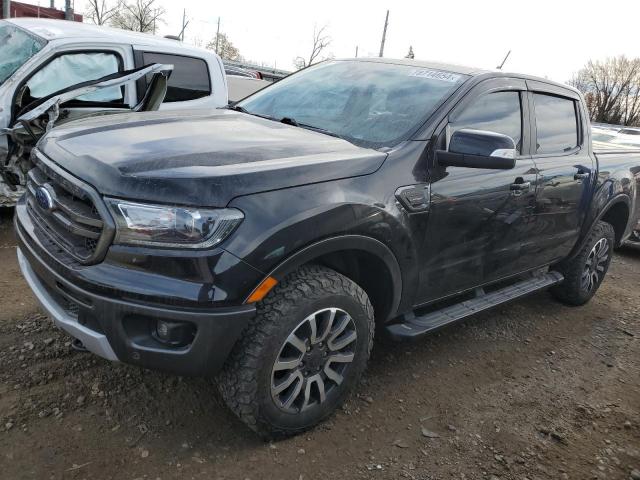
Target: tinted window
(189, 79)
(367, 103)
(496, 112)
(555, 123)
(73, 68)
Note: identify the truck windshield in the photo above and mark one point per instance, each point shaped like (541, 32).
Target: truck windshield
(17, 46)
(368, 103)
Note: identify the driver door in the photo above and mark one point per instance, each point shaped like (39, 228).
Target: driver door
(480, 220)
(71, 68)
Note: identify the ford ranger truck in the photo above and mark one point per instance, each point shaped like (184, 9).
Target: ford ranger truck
(266, 243)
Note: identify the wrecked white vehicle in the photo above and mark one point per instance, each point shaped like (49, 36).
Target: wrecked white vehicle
(52, 72)
(39, 116)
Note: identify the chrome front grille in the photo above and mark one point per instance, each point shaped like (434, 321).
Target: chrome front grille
(68, 213)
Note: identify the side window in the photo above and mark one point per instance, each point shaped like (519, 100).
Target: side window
(189, 79)
(498, 112)
(73, 68)
(556, 124)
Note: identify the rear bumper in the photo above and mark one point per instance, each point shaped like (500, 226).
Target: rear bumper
(120, 330)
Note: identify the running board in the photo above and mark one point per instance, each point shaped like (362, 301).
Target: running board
(414, 326)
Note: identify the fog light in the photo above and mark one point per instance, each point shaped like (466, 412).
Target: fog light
(177, 334)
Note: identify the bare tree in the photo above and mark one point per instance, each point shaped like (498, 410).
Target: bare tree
(100, 12)
(611, 89)
(320, 42)
(139, 16)
(224, 47)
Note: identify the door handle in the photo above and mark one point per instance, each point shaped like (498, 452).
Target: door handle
(580, 176)
(520, 186)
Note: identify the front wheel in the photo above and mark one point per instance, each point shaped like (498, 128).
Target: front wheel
(302, 354)
(584, 273)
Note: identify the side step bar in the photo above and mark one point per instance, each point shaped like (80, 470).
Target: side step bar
(414, 326)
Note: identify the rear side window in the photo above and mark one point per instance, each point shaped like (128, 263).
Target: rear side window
(498, 112)
(556, 124)
(189, 79)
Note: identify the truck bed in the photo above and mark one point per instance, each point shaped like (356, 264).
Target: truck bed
(619, 170)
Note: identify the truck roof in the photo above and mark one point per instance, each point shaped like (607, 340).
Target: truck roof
(461, 69)
(51, 29)
(449, 67)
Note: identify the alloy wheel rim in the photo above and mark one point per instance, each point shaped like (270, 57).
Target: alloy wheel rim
(313, 360)
(595, 265)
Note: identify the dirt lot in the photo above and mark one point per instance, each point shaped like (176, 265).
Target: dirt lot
(532, 390)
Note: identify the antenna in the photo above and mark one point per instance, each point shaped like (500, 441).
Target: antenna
(384, 34)
(499, 67)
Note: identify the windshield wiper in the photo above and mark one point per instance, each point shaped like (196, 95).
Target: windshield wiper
(286, 120)
(236, 108)
(295, 123)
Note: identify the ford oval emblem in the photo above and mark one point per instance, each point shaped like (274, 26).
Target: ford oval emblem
(44, 199)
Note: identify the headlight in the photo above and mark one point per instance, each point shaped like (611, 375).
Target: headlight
(164, 226)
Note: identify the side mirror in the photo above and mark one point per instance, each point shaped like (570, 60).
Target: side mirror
(479, 149)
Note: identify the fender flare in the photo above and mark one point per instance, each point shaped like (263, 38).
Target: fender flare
(619, 198)
(341, 243)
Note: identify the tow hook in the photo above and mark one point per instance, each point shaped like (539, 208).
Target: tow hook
(78, 346)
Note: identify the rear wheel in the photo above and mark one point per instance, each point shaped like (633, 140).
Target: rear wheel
(302, 355)
(584, 273)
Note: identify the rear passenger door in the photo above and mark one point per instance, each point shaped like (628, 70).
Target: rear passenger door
(565, 169)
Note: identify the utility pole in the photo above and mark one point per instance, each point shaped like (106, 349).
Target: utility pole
(218, 36)
(384, 34)
(184, 25)
(356, 51)
(6, 8)
(68, 11)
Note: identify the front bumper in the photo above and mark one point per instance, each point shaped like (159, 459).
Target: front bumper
(93, 341)
(121, 330)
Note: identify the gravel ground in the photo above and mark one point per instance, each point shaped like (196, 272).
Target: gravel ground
(531, 390)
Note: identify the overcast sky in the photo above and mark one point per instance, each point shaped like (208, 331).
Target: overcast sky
(550, 38)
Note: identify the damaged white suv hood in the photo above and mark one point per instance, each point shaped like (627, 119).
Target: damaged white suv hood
(37, 118)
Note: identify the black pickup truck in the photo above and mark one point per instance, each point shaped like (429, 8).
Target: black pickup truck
(265, 243)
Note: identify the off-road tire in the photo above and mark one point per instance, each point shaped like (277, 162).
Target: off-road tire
(572, 290)
(245, 382)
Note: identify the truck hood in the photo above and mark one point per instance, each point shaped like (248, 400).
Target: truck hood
(203, 159)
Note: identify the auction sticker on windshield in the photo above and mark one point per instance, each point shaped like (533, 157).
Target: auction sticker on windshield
(435, 74)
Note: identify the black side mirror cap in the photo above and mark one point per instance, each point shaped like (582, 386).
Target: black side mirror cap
(479, 149)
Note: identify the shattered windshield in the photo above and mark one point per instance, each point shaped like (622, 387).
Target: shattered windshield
(16, 47)
(367, 103)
